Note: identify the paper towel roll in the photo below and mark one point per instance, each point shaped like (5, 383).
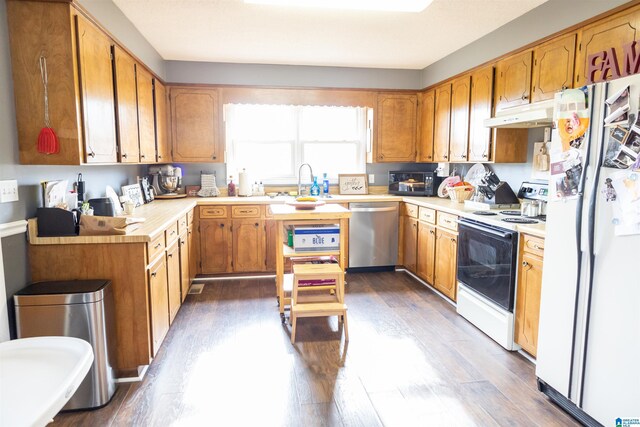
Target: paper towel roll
(244, 184)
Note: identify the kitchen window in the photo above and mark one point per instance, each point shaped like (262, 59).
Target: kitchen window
(272, 141)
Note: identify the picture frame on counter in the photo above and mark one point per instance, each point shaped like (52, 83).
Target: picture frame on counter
(134, 193)
(353, 183)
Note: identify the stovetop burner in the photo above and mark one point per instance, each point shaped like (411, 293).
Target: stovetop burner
(511, 213)
(520, 220)
(484, 213)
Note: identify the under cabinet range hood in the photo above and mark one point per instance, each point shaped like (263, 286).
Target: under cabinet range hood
(539, 114)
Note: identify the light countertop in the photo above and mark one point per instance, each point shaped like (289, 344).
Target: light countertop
(160, 214)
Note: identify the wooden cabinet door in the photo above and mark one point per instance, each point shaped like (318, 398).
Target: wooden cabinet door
(185, 279)
(270, 244)
(410, 243)
(442, 124)
(162, 131)
(481, 108)
(553, 67)
(96, 87)
(614, 31)
(127, 106)
(459, 134)
(426, 117)
(446, 263)
(173, 280)
(396, 128)
(194, 255)
(159, 300)
(528, 303)
(195, 122)
(248, 245)
(146, 116)
(426, 251)
(513, 81)
(215, 246)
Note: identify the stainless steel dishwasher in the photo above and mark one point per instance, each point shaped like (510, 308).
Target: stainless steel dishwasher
(373, 235)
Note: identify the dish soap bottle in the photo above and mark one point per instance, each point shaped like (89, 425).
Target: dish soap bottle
(315, 188)
(231, 188)
(325, 185)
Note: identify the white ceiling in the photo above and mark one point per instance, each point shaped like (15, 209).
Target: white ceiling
(231, 31)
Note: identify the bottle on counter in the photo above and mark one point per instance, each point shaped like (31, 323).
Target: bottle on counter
(325, 185)
(315, 188)
(261, 188)
(231, 187)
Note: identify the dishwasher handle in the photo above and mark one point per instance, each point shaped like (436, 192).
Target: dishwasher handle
(390, 209)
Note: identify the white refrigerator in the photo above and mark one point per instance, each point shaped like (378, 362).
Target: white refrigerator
(588, 357)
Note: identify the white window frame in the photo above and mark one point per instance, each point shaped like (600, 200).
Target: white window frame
(363, 146)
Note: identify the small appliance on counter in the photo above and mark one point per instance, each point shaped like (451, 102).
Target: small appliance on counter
(414, 183)
(103, 206)
(166, 181)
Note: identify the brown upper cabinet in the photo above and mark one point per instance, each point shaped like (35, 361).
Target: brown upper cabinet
(79, 79)
(553, 67)
(146, 118)
(396, 127)
(161, 113)
(426, 117)
(100, 99)
(614, 31)
(481, 108)
(513, 80)
(442, 123)
(195, 124)
(127, 104)
(459, 134)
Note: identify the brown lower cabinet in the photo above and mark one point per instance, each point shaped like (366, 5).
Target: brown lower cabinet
(426, 251)
(410, 242)
(185, 277)
(528, 295)
(173, 279)
(446, 255)
(235, 245)
(159, 303)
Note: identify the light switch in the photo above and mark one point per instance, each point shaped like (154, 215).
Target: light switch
(8, 191)
(371, 178)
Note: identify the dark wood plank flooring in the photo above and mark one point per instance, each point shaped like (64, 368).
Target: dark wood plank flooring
(411, 360)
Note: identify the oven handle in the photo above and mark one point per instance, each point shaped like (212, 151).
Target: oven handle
(504, 235)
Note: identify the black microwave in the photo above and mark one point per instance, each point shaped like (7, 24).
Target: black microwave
(414, 183)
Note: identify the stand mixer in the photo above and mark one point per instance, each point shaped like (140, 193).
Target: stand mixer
(166, 180)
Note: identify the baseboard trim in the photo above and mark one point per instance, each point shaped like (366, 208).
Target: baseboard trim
(13, 228)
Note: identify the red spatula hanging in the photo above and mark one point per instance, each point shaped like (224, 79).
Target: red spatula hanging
(47, 139)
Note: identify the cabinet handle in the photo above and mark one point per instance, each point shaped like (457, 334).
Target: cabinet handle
(172, 232)
(445, 157)
(91, 154)
(464, 156)
(432, 232)
(525, 264)
(170, 255)
(214, 157)
(124, 155)
(157, 246)
(245, 211)
(453, 240)
(525, 97)
(159, 157)
(142, 156)
(256, 224)
(154, 274)
(484, 156)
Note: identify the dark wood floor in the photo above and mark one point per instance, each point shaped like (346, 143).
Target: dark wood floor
(411, 360)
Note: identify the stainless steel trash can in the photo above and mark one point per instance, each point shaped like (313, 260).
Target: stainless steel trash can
(77, 308)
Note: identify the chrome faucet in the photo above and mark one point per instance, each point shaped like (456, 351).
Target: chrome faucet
(300, 177)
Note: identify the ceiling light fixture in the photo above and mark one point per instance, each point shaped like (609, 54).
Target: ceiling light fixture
(375, 5)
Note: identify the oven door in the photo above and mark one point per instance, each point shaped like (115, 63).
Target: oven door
(487, 261)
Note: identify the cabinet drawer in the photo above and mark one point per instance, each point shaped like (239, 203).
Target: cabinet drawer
(251, 211)
(427, 215)
(171, 233)
(156, 246)
(533, 245)
(183, 224)
(410, 210)
(449, 221)
(213, 212)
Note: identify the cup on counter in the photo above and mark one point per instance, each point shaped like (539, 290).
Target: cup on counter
(129, 207)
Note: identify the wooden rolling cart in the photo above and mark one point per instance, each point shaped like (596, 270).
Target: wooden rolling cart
(285, 216)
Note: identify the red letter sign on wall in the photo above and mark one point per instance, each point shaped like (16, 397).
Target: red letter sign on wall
(605, 66)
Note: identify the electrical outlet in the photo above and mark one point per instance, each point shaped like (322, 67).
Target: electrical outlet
(8, 191)
(371, 178)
